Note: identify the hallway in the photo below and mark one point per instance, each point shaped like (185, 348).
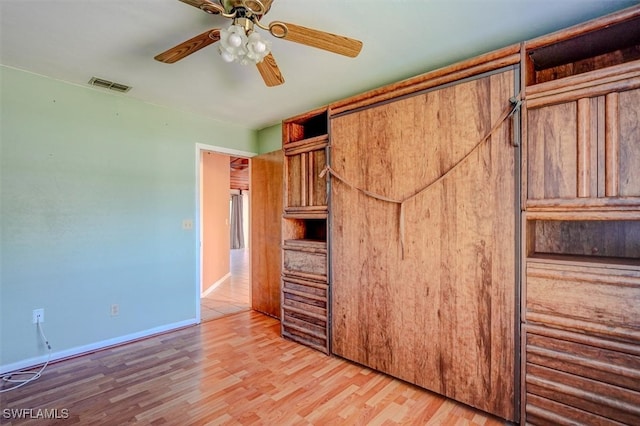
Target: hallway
(232, 295)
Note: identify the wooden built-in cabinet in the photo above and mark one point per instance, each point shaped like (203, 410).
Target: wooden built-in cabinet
(512, 282)
(581, 225)
(305, 286)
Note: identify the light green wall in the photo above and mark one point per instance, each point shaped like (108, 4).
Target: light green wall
(270, 138)
(94, 188)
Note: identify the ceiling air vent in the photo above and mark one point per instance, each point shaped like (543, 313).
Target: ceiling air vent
(106, 84)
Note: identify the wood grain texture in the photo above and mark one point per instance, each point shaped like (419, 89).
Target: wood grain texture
(188, 47)
(306, 191)
(592, 207)
(442, 317)
(266, 207)
(592, 84)
(294, 178)
(305, 288)
(610, 402)
(305, 312)
(509, 55)
(234, 370)
(629, 146)
(612, 145)
(586, 360)
(305, 257)
(542, 411)
(599, 299)
(270, 72)
(322, 40)
(599, 162)
(594, 238)
(584, 148)
(317, 184)
(552, 151)
(198, 3)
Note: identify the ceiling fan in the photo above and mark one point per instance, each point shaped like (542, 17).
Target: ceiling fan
(241, 43)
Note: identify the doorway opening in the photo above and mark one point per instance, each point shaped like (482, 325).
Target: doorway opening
(223, 272)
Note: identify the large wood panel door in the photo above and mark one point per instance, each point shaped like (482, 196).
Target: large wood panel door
(266, 216)
(442, 315)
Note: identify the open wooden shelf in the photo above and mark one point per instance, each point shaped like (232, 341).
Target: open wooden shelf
(597, 240)
(585, 49)
(306, 126)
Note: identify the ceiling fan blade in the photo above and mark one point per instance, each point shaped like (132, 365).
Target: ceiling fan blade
(270, 72)
(195, 3)
(319, 39)
(206, 5)
(188, 47)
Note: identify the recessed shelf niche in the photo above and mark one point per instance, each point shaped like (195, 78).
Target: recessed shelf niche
(607, 46)
(615, 241)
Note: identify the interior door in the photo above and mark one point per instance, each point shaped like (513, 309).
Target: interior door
(265, 229)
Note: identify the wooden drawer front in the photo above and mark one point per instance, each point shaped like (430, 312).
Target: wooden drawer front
(553, 395)
(304, 312)
(585, 356)
(600, 301)
(582, 394)
(308, 262)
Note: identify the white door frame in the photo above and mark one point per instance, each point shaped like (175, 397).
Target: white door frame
(200, 148)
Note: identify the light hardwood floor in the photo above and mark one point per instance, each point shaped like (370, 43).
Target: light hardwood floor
(232, 295)
(235, 370)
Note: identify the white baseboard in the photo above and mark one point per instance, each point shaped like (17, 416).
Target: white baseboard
(214, 285)
(80, 350)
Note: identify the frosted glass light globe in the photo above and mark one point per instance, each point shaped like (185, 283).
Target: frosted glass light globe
(226, 56)
(259, 46)
(235, 40)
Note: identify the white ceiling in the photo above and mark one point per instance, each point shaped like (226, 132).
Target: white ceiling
(73, 40)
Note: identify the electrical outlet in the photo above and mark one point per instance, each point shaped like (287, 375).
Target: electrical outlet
(38, 315)
(187, 224)
(115, 310)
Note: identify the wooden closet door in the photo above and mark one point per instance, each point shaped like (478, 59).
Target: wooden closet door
(443, 316)
(266, 212)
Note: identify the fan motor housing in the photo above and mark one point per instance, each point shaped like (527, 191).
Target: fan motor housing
(252, 4)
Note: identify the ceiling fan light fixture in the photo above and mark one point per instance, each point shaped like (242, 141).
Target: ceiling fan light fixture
(236, 46)
(240, 43)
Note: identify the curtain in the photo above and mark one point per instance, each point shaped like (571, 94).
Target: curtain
(237, 233)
